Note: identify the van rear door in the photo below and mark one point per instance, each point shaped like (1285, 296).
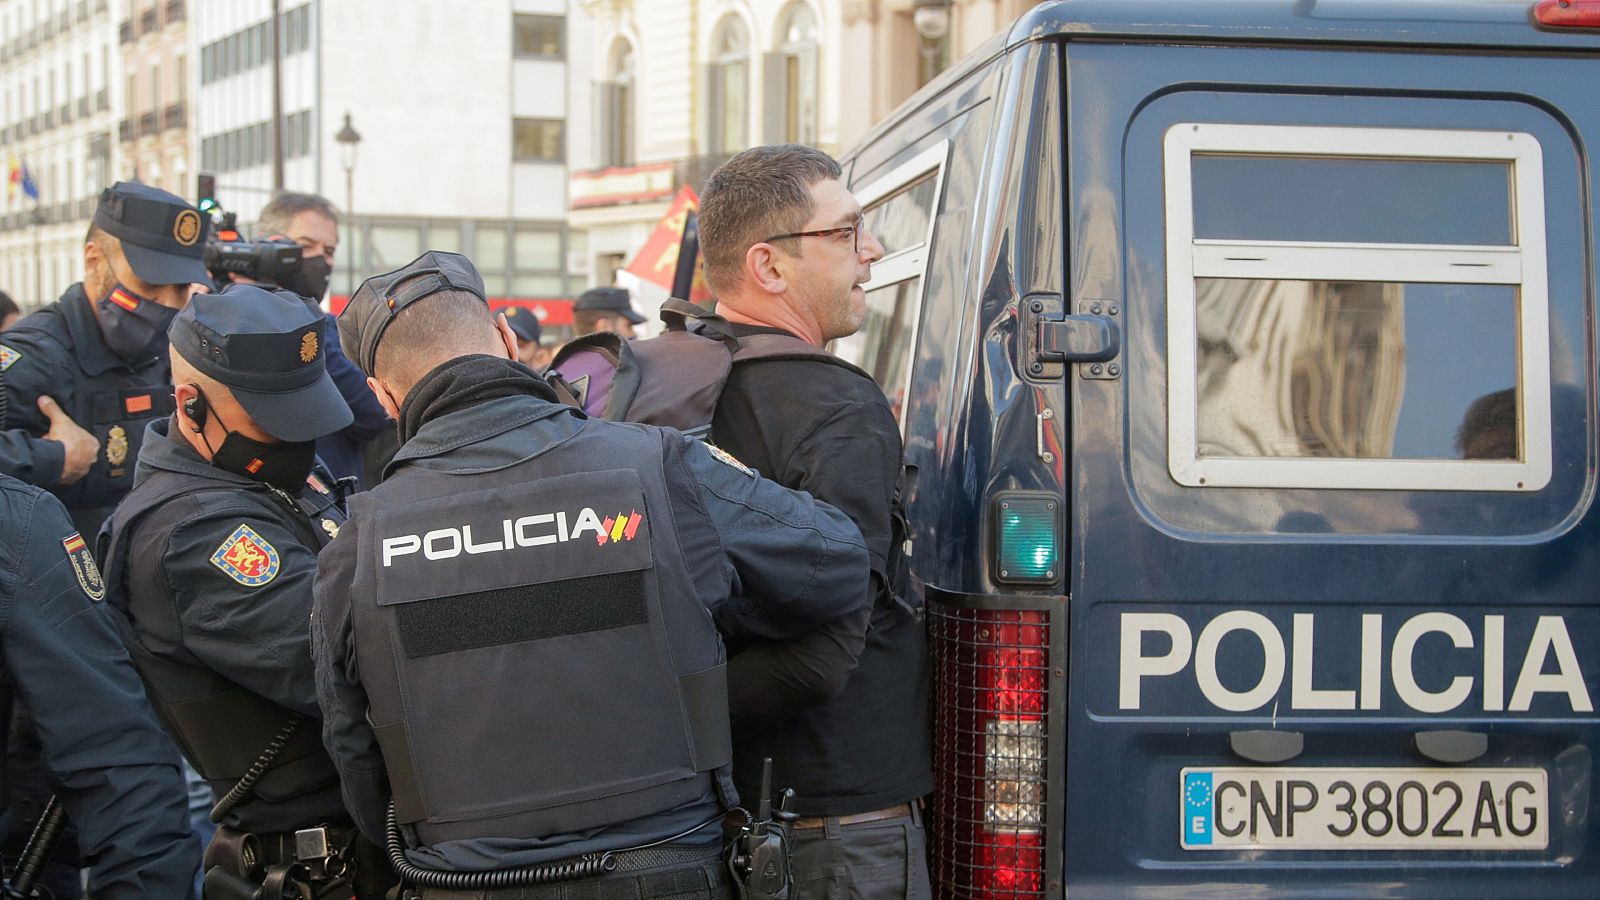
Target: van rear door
(1334, 624)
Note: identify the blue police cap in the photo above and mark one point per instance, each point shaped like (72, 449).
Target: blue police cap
(523, 323)
(609, 299)
(267, 348)
(163, 237)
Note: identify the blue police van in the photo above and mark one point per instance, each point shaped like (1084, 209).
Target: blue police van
(1245, 354)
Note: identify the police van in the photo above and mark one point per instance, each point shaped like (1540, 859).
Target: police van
(1246, 357)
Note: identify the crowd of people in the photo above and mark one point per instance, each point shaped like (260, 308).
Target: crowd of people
(409, 622)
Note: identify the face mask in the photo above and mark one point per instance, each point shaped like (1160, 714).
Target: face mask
(312, 279)
(134, 327)
(283, 465)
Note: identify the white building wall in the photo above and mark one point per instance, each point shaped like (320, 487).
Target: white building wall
(38, 262)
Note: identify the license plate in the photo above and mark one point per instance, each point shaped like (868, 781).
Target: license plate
(1364, 809)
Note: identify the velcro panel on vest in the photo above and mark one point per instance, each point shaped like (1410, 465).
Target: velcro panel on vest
(144, 402)
(681, 379)
(554, 529)
(705, 698)
(522, 613)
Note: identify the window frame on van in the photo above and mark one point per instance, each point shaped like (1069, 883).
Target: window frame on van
(910, 262)
(1521, 264)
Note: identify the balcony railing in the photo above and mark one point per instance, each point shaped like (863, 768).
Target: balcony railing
(124, 131)
(64, 114)
(83, 106)
(174, 116)
(102, 100)
(149, 123)
(125, 32)
(175, 11)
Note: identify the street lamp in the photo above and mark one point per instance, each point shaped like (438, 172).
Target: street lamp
(349, 140)
(931, 19)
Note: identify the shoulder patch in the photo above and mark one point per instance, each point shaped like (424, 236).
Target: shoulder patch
(246, 557)
(7, 357)
(726, 458)
(83, 566)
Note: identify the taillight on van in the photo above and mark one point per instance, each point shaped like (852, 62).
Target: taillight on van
(1567, 13)
(991, 714)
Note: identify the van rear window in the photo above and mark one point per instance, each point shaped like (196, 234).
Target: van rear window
(1356, 308)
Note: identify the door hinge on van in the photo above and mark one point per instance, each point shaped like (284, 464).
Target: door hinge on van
(1090, 339)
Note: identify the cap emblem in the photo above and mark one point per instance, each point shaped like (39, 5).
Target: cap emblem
(186, 230)
(308, 347)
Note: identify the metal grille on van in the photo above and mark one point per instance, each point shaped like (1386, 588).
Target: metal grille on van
(991, 677)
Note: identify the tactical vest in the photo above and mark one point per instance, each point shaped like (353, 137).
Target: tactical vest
(221, 727)
(537, 658)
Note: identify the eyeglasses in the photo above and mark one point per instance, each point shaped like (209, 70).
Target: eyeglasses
(853, 228)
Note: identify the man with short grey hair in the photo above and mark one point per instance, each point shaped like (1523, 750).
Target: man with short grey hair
(312, 222)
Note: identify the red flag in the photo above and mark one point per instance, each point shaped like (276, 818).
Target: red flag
(658, 259)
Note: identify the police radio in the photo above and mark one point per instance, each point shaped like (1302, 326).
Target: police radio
(759, 857)
(273, 260)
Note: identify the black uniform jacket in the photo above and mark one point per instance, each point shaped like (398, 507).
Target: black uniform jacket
(216, 581)
(59, 352)
(753, 539)
(63, 660)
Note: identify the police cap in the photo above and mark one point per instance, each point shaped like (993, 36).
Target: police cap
(524, 324)
(163, 237)
(267, 348)
(609, 299)
(380, 298)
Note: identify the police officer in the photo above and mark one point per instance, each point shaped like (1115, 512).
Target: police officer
(85, 374)
(212, 556)
(528, 331)
(604, 309)
(535, 585)
(63, 659)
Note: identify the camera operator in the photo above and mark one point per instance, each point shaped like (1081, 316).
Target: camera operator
(309, 223)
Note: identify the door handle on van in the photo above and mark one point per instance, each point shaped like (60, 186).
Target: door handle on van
(1051, 338)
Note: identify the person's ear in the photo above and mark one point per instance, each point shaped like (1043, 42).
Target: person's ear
(507, 336)
(385, 399)
(762, 268)
(192, 408)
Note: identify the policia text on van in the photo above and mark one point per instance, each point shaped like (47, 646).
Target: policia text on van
(1246, 355)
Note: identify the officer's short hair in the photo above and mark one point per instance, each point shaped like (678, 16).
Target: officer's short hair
(587, 321)
(430, 331)
(8, 306)
(281, 210)
(758, 193)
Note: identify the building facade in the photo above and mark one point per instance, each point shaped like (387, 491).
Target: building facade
(461, 110)
(681, 85)
(153, 134)
(59, 92)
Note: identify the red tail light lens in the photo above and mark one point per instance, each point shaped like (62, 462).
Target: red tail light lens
(1567, 13)
(991, 709)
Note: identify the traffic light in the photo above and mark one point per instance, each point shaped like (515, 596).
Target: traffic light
(207, 199)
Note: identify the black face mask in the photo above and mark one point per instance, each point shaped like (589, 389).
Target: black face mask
(312, 280)
(283, 465)
(134, 327)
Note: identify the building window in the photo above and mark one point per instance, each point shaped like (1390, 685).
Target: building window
(615, 113)
(538, 36)
(1352, 337)
(538, 140)
(730, 87)
(792, 78)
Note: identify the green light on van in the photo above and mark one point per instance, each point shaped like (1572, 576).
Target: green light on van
(1026, 539)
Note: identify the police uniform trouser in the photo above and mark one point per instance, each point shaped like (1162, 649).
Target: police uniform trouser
(663, 873)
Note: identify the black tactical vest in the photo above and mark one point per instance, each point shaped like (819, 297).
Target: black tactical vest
(537, 658)
(221, 727)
